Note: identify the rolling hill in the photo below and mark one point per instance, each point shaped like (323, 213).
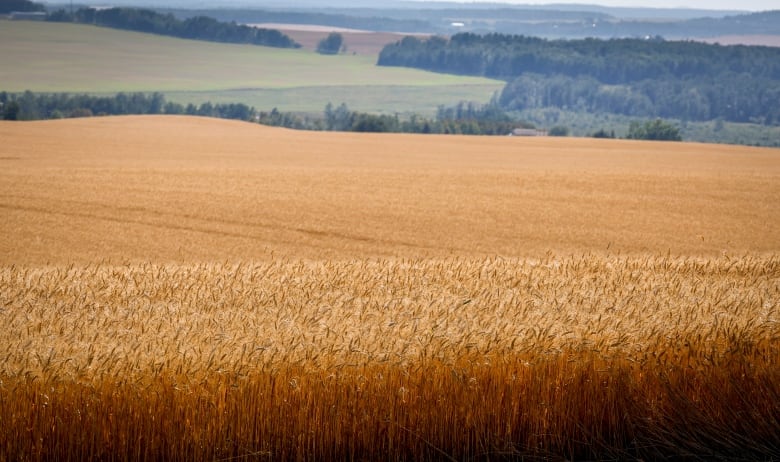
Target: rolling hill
(191, 289)
(178, 188)
(49, 57)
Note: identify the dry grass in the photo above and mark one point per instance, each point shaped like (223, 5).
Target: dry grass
(190, 289)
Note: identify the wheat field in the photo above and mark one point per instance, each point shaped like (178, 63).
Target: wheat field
(195, 289)
(183, 189)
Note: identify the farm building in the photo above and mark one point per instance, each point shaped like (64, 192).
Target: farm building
(27, 16)
(528, 132)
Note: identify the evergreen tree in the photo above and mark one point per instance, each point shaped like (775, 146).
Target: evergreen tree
(656, 130)
(10, 6)
(11, 111)
(331, 45)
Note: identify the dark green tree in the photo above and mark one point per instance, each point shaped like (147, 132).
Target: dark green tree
(331, 45)
(603, 134)
(656, 130)
(81, 112)
(634, 77)
(374, 123)
(11, 111)
(10, 6)
(197, 28)
(559, 130)
(338, 119)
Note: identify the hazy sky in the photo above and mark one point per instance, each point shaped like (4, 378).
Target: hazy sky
(753, 5)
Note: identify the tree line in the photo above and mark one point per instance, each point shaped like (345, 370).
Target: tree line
(738, 98)
(36, 106)
(464, 118)
(196, 28)
(11, 6)
(638, 77)
(614, 62)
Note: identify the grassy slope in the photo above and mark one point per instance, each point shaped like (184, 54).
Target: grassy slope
(77, 58)
(184, 189)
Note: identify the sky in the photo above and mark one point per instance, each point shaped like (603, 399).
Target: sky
(727, 5)
(751, 5)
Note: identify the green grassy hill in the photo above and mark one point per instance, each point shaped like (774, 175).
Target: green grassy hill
(53, 57)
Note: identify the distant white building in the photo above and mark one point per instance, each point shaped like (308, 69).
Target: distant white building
(528, 132)
(27, 16)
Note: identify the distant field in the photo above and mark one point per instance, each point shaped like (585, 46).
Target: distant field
(172, 189)
(192, 289)
(46, 57)
(386, 99)
(357, 41)
(761, 40)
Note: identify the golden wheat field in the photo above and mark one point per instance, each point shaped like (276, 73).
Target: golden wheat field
(177, 288)
(183, 189)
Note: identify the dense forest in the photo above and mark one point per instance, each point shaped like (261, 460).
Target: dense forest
(460, 119)
(36, 106)
(197, 28)
(11, 6)
(638, 77)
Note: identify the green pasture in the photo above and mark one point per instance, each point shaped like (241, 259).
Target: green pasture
(382, 99)
(55, 57)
